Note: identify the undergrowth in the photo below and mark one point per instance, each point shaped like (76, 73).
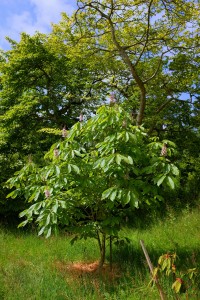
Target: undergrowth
(37, 268)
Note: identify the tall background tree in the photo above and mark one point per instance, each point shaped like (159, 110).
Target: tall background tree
(140, 44)
(40, 88)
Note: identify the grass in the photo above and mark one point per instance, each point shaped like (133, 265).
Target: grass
(35, 268)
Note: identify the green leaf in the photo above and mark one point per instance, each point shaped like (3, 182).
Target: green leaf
(119, 136)
(128, 197)
(103, 163)
(134, 199)
(13, 194)
(147, 170)
(49, 172)
(118, 159)
(34, 195)
(63, 204)
(37, 195)
(113, 195)
(22, 224)
(54, 218)
(69, 168)
(77, 153)
(76, 169)
(48, 220)
(160, 181)
(107, 193)
(97, 163)
(41, 230)
(127, 137)
(175, 170)
(160, 198)
(57, 170)
(170, 182)
(55, 207)
(130, 160)
(23, 213)
(48, 233)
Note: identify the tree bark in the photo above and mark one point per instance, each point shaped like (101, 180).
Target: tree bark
(102, 252)
(111, 254)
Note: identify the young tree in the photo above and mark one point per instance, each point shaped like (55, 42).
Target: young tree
(103, 171)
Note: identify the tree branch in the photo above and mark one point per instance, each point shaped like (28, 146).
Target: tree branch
(147, 33)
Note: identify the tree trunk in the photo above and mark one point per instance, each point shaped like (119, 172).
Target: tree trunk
(111, 254)
(125, 57)
(102, 252)
(134, 73)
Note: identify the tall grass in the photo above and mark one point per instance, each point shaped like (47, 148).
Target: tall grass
(37, 268)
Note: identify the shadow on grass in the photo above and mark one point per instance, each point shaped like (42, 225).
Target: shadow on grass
(130, 256)
(133, 265)
(162, 212)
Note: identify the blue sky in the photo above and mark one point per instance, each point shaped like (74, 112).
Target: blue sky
(29, 16)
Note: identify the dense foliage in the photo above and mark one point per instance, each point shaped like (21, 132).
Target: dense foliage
(144, 52)
(42, 92)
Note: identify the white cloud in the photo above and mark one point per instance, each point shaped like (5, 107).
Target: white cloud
(23, 22)
(36, 17)
(48, 11)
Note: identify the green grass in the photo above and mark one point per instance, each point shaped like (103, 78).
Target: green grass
(36, 268)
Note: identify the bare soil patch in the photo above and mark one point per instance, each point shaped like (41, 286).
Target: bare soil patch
(87, 268)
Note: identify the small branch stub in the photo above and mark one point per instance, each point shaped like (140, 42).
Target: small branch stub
(162, 295)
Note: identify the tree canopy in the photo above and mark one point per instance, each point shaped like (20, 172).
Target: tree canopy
(144, 53)
(148, 49)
